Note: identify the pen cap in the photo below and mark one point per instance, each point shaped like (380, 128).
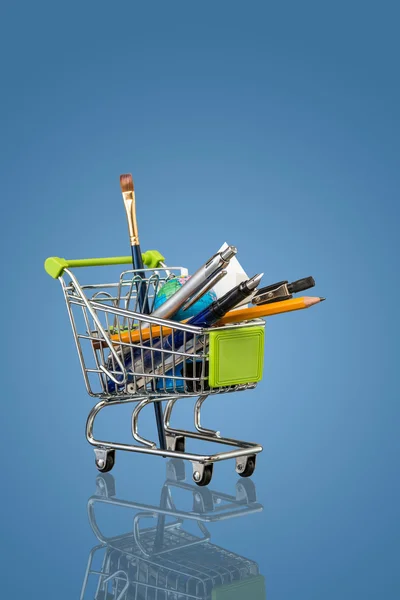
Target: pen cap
(228, 253)
(235, 274)
(301, 284)
(192, 285)
(236, 295)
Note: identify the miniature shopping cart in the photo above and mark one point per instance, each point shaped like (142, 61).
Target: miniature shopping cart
(167, 554)
(127, 356)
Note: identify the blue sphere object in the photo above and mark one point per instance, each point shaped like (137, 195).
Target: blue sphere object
(172, 286)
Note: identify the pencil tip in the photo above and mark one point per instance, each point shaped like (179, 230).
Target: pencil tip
(312, 300)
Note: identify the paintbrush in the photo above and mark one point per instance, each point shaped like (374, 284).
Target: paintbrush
(128, 194)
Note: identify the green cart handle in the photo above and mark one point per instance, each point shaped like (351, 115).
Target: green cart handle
(55, 266)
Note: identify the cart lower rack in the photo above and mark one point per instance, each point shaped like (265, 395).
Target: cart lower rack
(129, 357)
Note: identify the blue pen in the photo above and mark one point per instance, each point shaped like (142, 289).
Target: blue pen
(206, 318)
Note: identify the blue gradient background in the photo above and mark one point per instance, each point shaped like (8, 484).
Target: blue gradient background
(274, 127)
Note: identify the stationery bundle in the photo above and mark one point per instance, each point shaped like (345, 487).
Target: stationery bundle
(160, 334)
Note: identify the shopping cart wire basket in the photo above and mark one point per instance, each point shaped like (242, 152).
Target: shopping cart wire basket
(128, 356)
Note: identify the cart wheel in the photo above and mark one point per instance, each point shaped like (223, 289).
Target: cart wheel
(180, 443)
(105, 486)
(203, 477)
(106, 465)
(246, 491)
(203, 501)
(246, 466)
(176, 469)
(175, 443)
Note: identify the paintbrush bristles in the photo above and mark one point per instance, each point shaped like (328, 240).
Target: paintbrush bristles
(128, 194)
(126, 183)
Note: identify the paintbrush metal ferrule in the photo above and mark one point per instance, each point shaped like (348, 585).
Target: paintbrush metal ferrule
(130, 208)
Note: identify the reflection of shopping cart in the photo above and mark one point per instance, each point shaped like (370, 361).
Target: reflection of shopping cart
(127, 356)
(165, 561)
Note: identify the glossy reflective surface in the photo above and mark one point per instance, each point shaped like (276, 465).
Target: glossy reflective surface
(273, 127)
(158, 536)
(167, 550)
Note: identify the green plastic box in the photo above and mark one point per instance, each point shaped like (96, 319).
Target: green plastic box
(248, 589)
(236, 355)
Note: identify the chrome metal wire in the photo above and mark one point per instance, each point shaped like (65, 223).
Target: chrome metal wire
(112, 344)
(160, 558)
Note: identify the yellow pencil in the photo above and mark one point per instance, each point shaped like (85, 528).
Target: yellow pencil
(233, 316)
(267, 310)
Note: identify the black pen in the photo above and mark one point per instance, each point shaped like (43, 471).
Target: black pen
(219, 308)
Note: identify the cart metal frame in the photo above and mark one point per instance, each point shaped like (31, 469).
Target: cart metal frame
(143, 371)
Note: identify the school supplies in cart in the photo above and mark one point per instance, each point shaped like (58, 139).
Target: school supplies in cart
(96, 310)
(148, 359)
(239, 315)
(132, 352)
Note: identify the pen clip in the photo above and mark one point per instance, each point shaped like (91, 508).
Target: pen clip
(211, 282)
(222, 257)
(272, 293)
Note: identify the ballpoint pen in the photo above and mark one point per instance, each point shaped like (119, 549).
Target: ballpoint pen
(150, 359)
(219, 308)
(208, 285)
(197, 281)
